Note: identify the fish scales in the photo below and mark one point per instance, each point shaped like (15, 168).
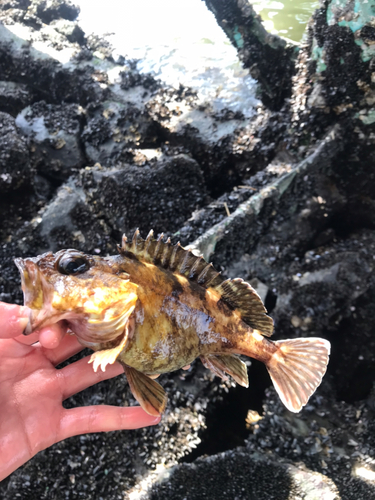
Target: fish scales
(155, 308)
(189, 322)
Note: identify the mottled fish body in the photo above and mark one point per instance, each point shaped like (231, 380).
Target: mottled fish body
(155, 308)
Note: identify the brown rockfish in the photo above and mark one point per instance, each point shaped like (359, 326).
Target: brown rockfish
(156, 307)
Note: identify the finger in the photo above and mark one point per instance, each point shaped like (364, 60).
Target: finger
(31, 339)
(103, 419)
(80, 375)
(66, 349)
(51, 336)
(13, 320)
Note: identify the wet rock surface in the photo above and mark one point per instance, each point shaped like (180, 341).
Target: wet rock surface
(53, 132)
(91, 148)
(270, 58)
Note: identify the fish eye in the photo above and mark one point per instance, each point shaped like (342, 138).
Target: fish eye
(72, 264)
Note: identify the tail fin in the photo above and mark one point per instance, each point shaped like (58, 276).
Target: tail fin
(297, 369)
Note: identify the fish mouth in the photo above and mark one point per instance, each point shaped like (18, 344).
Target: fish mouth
(31, 283)
(32, 287)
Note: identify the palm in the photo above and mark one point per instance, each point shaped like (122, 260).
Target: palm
(31, 394)
(35, 422)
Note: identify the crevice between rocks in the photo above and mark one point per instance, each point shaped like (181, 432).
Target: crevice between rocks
(226, 420)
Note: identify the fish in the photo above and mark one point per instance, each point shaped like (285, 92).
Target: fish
(155, 307)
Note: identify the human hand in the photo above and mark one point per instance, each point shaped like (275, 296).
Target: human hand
(32, 391)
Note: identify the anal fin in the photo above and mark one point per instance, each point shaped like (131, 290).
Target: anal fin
(220, 364)
(149, 394)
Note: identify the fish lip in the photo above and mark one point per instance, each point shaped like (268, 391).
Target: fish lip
(32, 284)
(22, 268)
(35, 293)
(20, 263)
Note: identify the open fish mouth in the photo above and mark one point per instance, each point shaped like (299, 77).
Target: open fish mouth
(31, 283)
(96, 309)
(33, 290)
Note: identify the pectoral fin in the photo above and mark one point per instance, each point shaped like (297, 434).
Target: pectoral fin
(108, 356)
(220, 364)
(149, 394)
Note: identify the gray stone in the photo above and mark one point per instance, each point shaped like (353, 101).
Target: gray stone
(68, 222)
(54, 132)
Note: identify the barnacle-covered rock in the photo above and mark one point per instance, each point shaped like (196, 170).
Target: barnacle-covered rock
(15, 170)
(54, 133)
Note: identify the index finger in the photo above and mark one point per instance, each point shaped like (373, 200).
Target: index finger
(13, 320)
(66, 349)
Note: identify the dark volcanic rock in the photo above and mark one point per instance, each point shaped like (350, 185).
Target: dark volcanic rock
(300, 228)
(48, 10)
(114, 127)
(271, 59)
(69, 29)
(161, 194)
(14, 157)
(238, 474)
(54, 136)
(14, 97)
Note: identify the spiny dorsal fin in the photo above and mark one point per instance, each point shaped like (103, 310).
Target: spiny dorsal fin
(236, 293)
(172, 257)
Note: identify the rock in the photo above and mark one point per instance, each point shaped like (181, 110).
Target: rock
(14, 97)
(51, 80)
(15, 170)
(243, 228)
(333, 437)
(226, 144)
(69, 222)
(54, 132)
(282, 199)
(49, 10)
(271, 59)
(216, 213)
(114, 127)
(70, 29)
(238, 474)
(149, 196)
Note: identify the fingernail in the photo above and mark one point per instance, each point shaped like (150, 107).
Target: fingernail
(156, 420)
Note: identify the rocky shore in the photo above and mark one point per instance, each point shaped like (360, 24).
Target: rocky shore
(91, 148)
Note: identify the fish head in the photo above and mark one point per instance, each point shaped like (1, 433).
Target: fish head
(91, 293)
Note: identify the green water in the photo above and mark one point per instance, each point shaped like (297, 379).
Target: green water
(288, 18)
